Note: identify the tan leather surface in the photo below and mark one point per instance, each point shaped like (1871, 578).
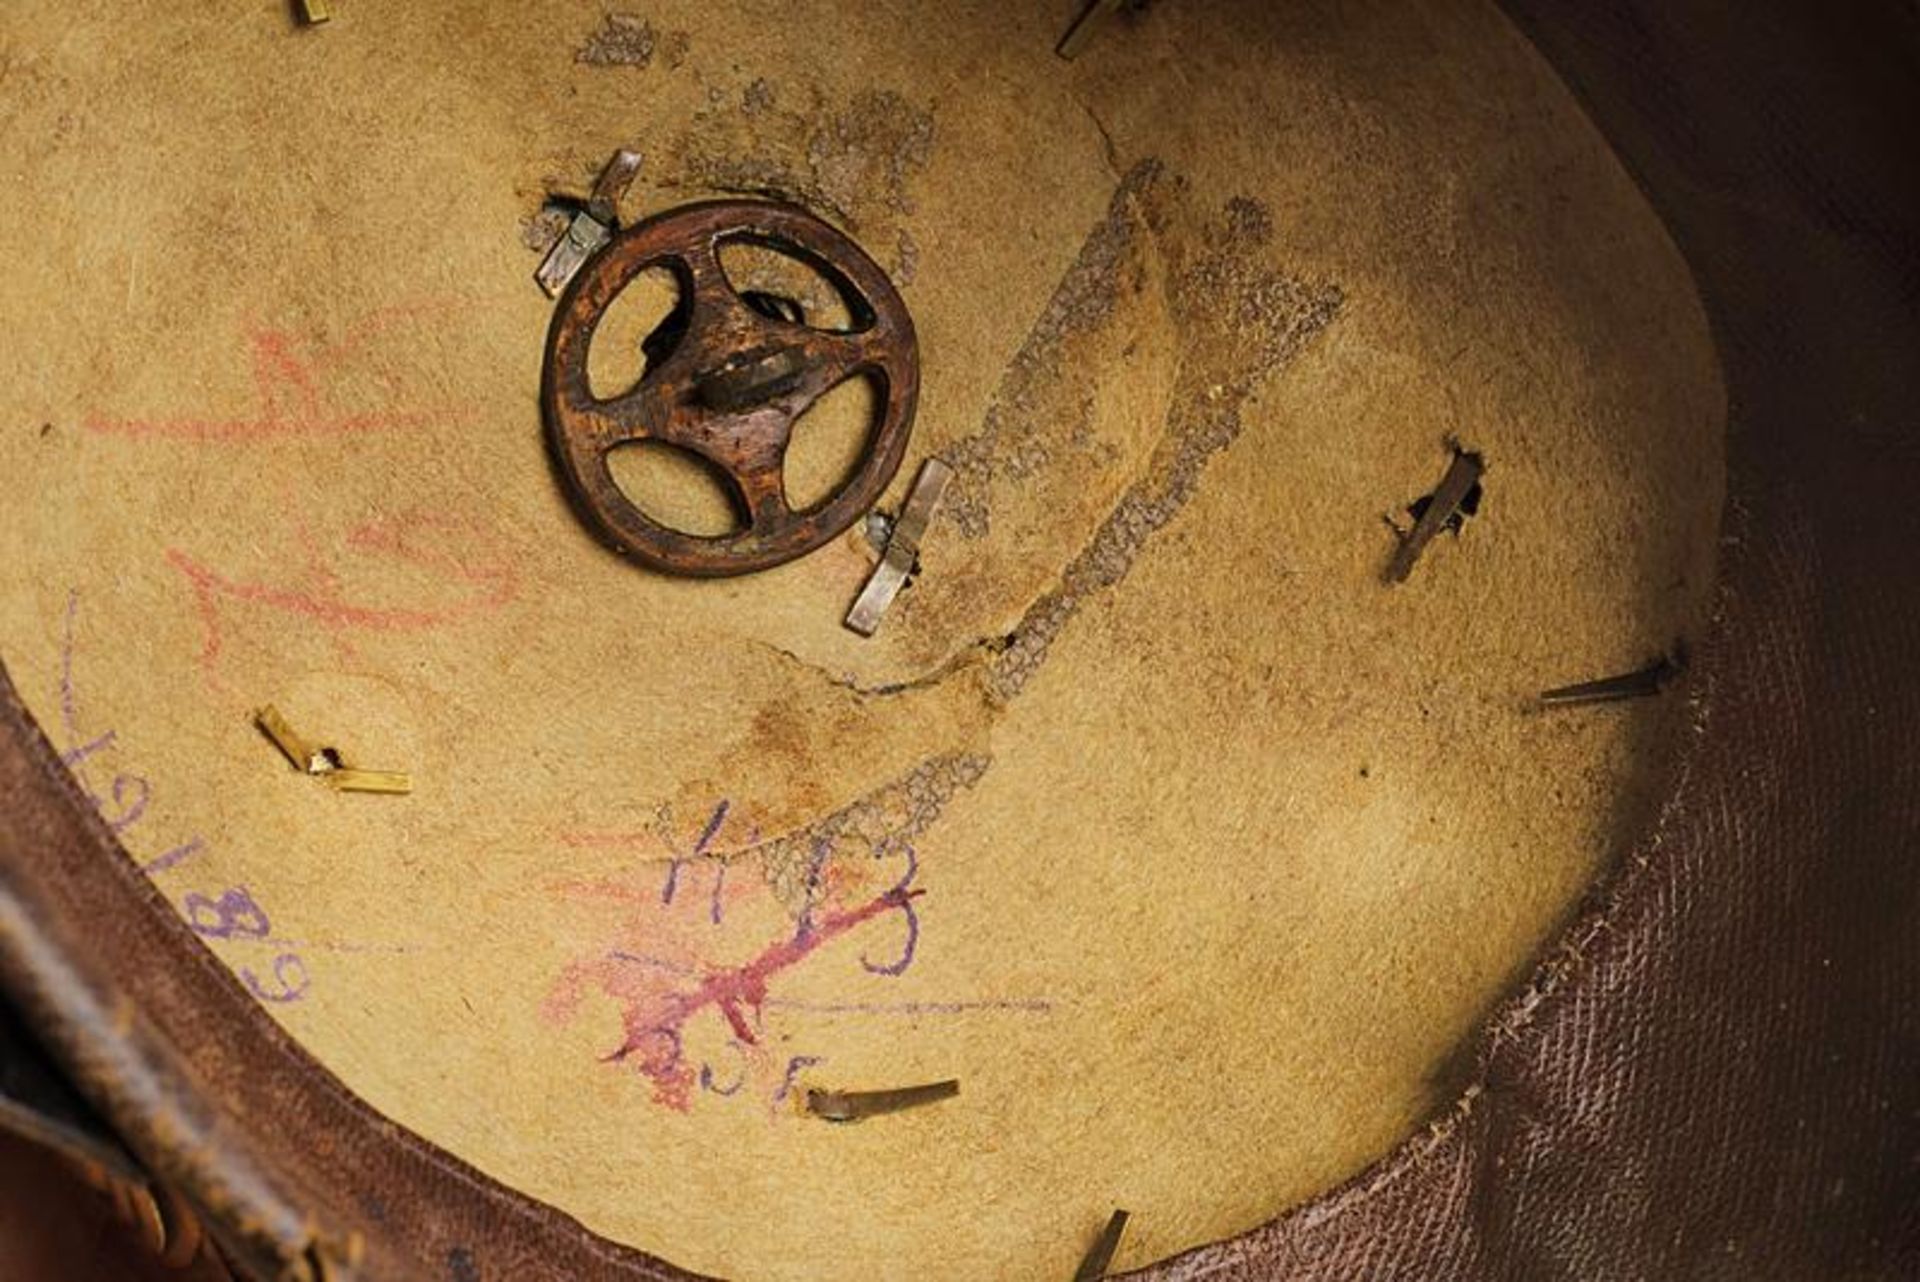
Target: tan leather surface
(1715, 1075)
(1222, 844)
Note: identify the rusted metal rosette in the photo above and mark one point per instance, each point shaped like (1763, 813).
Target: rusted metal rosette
(732, 387)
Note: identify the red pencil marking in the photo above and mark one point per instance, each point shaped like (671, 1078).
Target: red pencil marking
(732, 989)
(660, 995)
(660, 968)
(581, 839)
(289, 392)
(485, 585)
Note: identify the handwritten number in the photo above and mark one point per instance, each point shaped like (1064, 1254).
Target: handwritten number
(233, 914)
(816, 865)
(130, 811)
(795, 1067)
(900, 893)
(289, 972)
(740, 1078)
(184, 851)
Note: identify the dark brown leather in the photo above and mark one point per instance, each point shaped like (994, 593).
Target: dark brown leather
(1716, 1073)
(54, 1228)
(39, 1104)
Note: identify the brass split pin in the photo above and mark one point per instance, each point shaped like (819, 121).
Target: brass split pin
(325, 763)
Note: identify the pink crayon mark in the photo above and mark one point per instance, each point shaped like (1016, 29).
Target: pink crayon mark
(610, 840)
(637, 838)
(746, 986)
(482, 585)
(676, 860)
(290, 389)
(660, 996)
(659, 969)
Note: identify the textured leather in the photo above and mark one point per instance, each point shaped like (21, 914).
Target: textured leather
(1715, 1073)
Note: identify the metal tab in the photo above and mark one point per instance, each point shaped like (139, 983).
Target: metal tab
(1641, 684)
(852, 1106)
(1462, 475)
(1099, 1257)
(570, 253)
(391, 782)
(1084, 28)
(296, 749)
(592, 227)
(326, 763)
(903, 548)
(604, 204)
(313, 12)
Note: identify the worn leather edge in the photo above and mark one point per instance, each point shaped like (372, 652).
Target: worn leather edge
(113, 1053)
(39, 1104)
(268, 1141)
(214, 1097)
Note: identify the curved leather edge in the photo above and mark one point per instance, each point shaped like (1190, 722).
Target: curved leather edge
(1748, 972)
(211, 1094)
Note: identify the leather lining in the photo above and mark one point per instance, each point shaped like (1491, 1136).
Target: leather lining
(1713, 1073)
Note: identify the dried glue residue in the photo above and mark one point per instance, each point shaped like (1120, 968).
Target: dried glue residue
(1045, 452)
(885, 820)
(1241, 322)
(858, 164)
(629, 40)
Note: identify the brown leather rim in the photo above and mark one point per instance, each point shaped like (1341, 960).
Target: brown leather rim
(1717, 1070)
